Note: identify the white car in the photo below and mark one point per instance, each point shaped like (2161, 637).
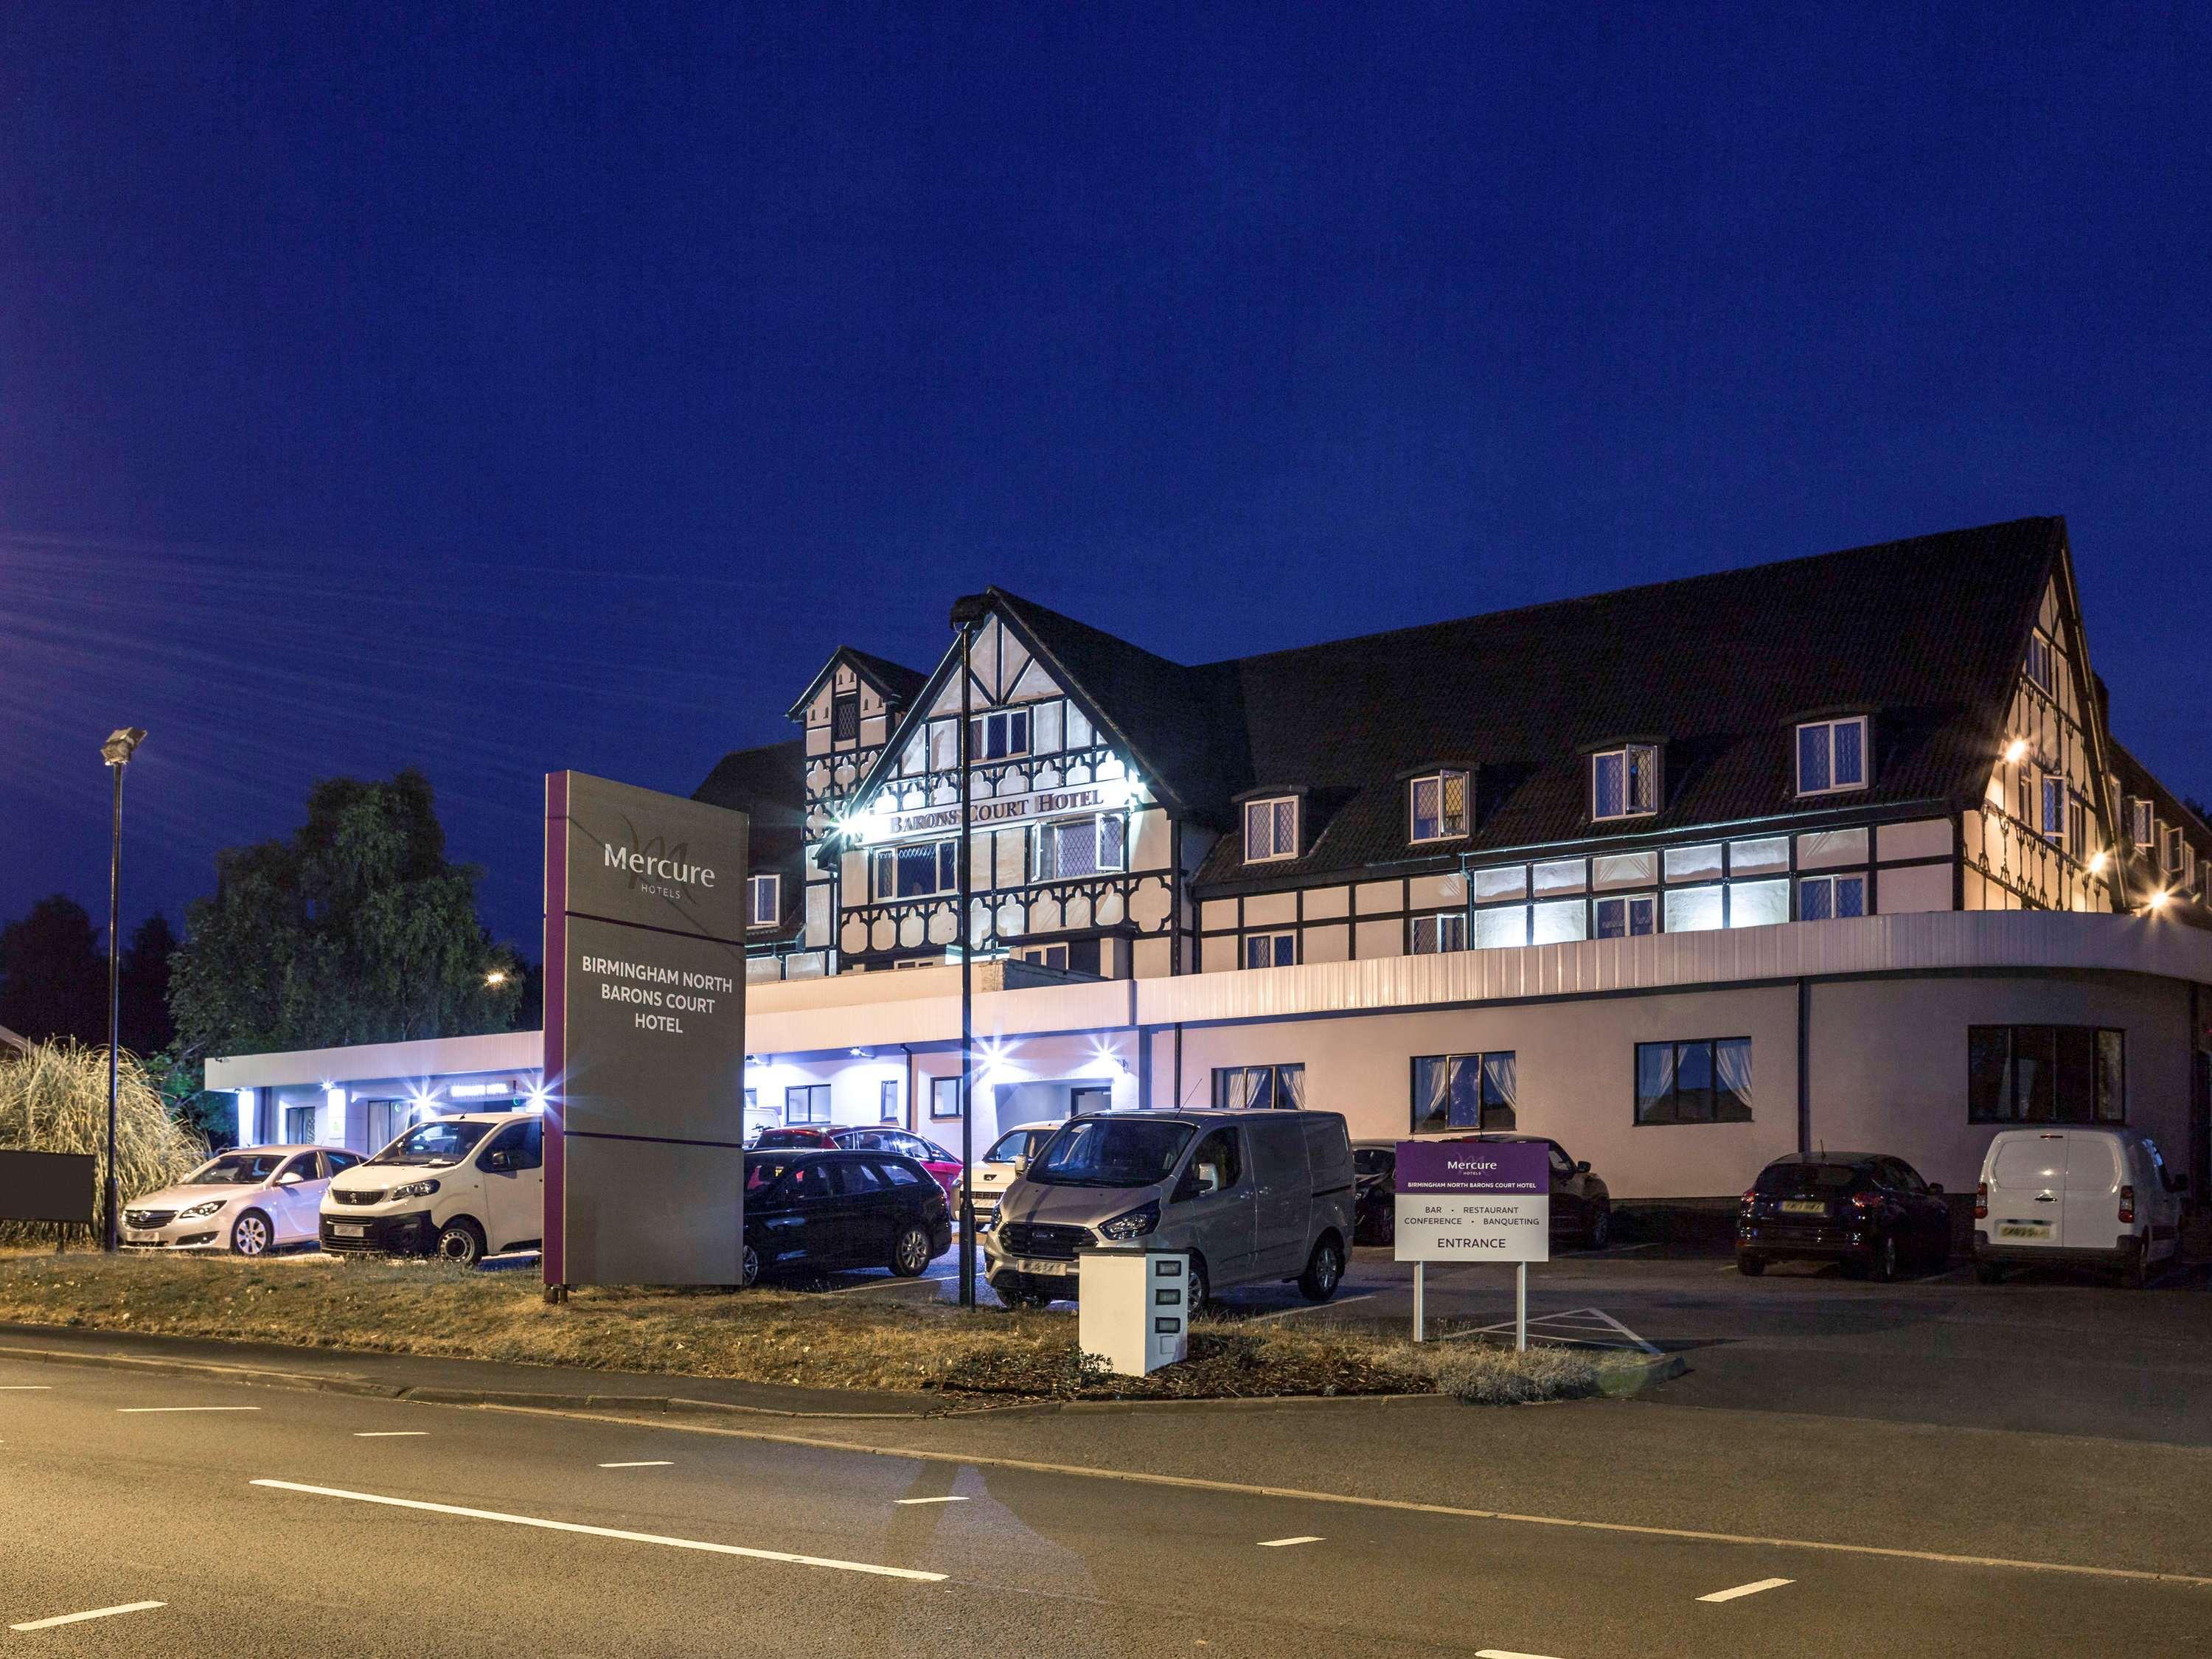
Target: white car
(2067, 1196)
(253, 1201)
(462, 1187)
(996, 1169)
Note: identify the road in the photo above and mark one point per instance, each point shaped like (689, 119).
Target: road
(266, 1520)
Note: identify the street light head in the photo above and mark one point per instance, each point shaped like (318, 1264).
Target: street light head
(116, 751)
(497, 976)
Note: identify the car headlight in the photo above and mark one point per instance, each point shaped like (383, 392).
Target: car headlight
(414, 1190)
(1132, 1224)
(199, 1210)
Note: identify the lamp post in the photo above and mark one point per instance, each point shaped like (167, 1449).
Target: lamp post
(116, 752)
(968, 615)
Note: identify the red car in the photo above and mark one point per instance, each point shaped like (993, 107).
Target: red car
(941, 1163)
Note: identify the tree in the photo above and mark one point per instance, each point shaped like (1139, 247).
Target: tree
(142, 986)
(357, 929)
(53, 980)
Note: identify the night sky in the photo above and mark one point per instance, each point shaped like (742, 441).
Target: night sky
(496, 389)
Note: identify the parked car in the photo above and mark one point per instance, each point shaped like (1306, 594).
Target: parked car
(2076, 1197)
(1582, 1204)
(252, 1201)
(1375, 1192)
(1251, 1195)
(996, 1169)
(832, 1209)
(1869, 1211)
(462, 1187)
(943, 1168)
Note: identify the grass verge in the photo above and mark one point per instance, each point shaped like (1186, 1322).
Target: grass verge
(865, 1340)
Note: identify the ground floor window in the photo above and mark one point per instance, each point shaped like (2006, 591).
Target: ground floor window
(300, 1125)
(1271, 950)
(888, 1097)
(945, 1097)
(387, 1121)
(1464, 1092)
(1259, 1088)
(2045, 1074)
(1706, 1080)
(1825, 898)
(806, 1103)
(1433, 935)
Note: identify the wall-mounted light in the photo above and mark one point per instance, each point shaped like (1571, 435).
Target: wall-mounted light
(2158, 900)
(2016, 751)
(2097, 864)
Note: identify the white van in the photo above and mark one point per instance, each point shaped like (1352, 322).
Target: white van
(2076, 1197)
(461, 1187)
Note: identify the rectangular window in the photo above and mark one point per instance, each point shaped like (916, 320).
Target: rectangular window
(2139, 821)
(1439, 806)
(1630, 917)
(945, 1097)
(845, 717)
(765, 901)
(917, 871)
(887, 1100)
(1830, 898)
(1464, 1092)
(1757, 903)
(806, 1103)
(1271, 950)
(2077, 826)
(2038, 666)
(1079, 847)
(1559, 922)
(994, 737)
(1832, 755)
(1045, 956)
(1704, 1081)
(1625, 783)
(2045, 1074)
(1694, 910)
(2173, 845)
(1445, 930)
(1271, 830)
(2053, 824)
(1501, 928)
(300, 1125)
(1260, 1088)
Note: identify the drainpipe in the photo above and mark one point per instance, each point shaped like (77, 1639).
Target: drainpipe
(1804, 1065)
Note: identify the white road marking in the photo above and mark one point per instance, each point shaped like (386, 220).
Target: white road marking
(153, 1411)
(1316, 1307)
(1502, 1653)
(389, 1434)
(97, 1613)
(1284, 1543)
(1752, 1588)
(607, 1532)
(929, 1500)
(27, 1387)
(650, 1463)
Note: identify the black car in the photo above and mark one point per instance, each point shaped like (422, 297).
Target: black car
(1374, 1192)
(1582, 1204)
(1869, 1211)
(826, 1210)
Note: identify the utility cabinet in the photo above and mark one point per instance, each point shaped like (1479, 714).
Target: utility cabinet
(1134, 1307)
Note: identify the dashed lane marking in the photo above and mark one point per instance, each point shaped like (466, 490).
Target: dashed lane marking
(158, 1411)
(1503, 1653)
(96, 1613)
(909, 1502)
(1751, 1589)
(389, 1434)
(647, 1463)
(1284, 1543)
(545, 1525)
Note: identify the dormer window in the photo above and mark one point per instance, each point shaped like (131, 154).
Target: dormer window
(1832, 755)
(765, 901)
(1438, 804)
(1271, 830)
(994, 737)
(1625, 781)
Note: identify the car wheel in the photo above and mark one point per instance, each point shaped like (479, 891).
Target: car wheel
(1883, 1267)
(1751, 1266)
(1324, 1271)
(910, 1252)
(1989, 1273)
(747, 1268)
(251, 1235)
(461, 1242)
(1601, 1229)
(1200, 1292)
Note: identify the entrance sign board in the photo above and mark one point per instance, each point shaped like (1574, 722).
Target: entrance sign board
(46, 1187)
(1473, 1200)
(644, 982)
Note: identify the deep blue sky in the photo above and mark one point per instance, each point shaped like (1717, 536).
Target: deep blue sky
(537, 387)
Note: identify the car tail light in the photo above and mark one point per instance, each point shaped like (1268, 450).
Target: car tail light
(1867, 1201)
(1750, 1197)
(2127, 1204)
(1982, 1201)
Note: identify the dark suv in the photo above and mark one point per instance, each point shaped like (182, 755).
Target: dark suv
(1869, 1211)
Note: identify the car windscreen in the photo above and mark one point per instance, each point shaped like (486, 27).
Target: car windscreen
(235, 1169)
(1009, 1148)
(762, 1173)
(433, 1144)
(773, 1138)
(1814, 1180)
(1111, 1151)
(1372, 1161)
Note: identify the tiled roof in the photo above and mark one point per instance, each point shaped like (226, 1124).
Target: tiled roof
(900, 684)
(769, 784)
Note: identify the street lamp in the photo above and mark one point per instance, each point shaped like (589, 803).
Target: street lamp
(967, 614)
(116, 752)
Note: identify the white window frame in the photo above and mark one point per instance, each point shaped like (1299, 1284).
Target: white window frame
(2039, 644)
(2052, 792)
(807, 1096)
(1831, 787)
(1626, 901)
(979, 730)
(1273, 942)
(1275, 853)
(772, 884)
(2169, 859)
(1634, 803)
(2142, 823)
(1441, 780)
(1828, 881)
(1446, 931)
(1047, 832)
(879, 858)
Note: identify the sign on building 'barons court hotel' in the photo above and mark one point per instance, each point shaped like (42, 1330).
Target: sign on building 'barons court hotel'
(645, 985)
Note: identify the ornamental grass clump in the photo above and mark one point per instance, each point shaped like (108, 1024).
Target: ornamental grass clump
(53, 1098)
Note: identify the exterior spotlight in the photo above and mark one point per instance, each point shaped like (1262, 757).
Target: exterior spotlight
(2158, 900)
(2097, 864)
(2016, 751)
(497, 976)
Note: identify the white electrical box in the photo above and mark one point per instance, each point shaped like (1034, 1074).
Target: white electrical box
(1134, 1307)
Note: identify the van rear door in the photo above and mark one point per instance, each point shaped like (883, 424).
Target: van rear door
(2092, 1193)
(1279, 1160)
(2027, 1187)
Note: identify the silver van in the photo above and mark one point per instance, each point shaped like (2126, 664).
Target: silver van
(1253, 1196)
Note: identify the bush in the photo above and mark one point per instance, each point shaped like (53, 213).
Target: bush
(53, 1098)
(1502, 1376)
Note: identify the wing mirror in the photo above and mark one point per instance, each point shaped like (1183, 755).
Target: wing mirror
(500, 1160)
(290, 1178)
(1583, 1168)
(1936, 1187)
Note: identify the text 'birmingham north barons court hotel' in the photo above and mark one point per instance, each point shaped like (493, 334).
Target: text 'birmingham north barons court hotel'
(1836, 851)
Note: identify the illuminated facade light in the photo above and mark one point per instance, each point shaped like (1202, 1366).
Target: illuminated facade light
(2158, 900)
(2016, 751)
(2097, 864)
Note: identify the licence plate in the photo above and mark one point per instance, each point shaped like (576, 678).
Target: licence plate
(348, 1230)
(141, 1238)
(1043, 1268)
(2023, 1230)
(1804, 1206)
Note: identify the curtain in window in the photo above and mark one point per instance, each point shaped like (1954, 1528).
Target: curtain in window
(1655, 1083)
(1465, 1109)
(1732, 1077)
(1499, 1072)
(2112, 1078)
(1431, 1090)
(1693, 1082)
(1291, 1087)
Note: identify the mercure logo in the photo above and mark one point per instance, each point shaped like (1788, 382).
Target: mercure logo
(655, 866)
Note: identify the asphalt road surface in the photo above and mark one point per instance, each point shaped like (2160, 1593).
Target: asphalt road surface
(188, 1516)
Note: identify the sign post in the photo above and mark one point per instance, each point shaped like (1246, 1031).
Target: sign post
(1473, 1200)
(645, 987)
